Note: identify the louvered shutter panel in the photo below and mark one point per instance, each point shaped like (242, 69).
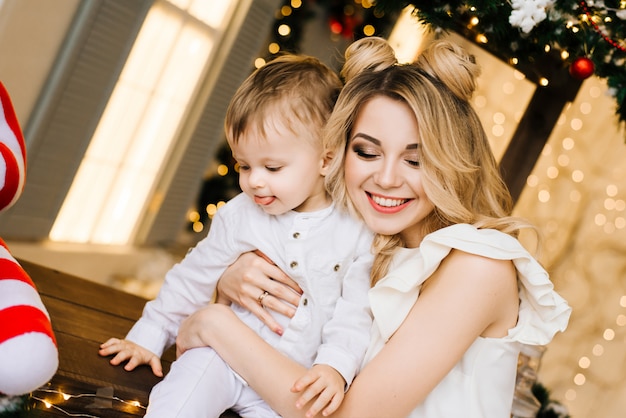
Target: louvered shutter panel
(69, 108)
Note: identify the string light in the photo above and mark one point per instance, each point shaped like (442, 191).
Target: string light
(590, 18)
(43, 395)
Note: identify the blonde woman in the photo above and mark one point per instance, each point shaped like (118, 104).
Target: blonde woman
(454, 294)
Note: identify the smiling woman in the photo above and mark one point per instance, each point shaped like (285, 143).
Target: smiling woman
(373, 170)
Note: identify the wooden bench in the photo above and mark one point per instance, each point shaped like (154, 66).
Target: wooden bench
(84, 314)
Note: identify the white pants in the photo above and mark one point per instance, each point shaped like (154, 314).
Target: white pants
(201, 385)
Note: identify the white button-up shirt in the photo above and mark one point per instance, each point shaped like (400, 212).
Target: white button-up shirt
(326, 252)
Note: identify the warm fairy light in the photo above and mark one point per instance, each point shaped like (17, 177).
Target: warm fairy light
(284, 30)
(564, 55)
(576, 124)
(609, 334)
(579, 379)
(197, 227)
(481, 39)
(37, 396)
(563, 160)
(584, 362)
(611, 190)
(222, 169)
(578, 176)
(552, 172)
(474, 21)
(259, 62)
(285, 10)
(532, 180)
(193, 216)
(369, 30)
(543, 81)
(543, 196)
(296, 4)
(567, 143)
(273, 48)
(211, 209)
(570, 395)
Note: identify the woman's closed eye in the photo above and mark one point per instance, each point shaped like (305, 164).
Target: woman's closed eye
(412, 162)
(362, 152)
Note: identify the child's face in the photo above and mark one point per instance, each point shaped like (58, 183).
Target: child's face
(281, 172)
(382, 172)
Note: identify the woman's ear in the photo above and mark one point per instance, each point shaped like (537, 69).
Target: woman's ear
(326, 160)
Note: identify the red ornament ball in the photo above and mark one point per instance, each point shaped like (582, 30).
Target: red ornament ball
(582, 68)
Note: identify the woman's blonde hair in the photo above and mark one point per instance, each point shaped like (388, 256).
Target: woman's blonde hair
(460, 174)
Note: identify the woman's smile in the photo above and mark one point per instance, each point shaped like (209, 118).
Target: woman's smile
(387, 204)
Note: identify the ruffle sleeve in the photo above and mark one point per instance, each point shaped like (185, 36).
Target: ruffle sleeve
(542, 313)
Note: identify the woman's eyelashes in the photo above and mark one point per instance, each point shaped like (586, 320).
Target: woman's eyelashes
(367, 153)
(364, 153)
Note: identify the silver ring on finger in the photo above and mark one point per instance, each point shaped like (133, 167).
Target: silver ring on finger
(261, 297)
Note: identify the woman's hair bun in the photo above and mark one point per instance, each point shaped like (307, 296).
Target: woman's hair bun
(452, 65)
(372, 53)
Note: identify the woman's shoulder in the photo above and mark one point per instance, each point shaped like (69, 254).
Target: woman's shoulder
(489, 243)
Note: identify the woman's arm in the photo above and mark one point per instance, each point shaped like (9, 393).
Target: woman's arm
(468, 296)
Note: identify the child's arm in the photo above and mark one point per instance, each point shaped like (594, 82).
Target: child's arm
(134, 353)
(324, 383)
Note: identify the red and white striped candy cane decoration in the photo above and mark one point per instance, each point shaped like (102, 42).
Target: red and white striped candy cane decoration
(13, 152)
(28, 350)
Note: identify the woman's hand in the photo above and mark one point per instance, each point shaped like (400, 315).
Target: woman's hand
(248, 279)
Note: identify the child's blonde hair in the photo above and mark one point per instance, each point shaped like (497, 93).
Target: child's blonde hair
(459, 171)
(297, 91)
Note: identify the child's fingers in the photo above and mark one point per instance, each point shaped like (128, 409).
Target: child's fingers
(333, 405)
(155, 364)
(304, 382)
(109, 342)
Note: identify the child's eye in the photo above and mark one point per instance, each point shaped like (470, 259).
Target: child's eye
(244, 167)
(273, 169)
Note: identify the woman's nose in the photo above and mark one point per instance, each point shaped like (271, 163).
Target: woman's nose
(387, 175)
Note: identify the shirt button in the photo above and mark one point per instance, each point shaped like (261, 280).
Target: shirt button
(293, 264)
(305, 302)
(337, 267)
(296, 235)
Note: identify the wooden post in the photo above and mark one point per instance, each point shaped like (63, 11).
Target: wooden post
(537, 123)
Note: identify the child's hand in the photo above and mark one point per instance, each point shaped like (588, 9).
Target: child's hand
(135, 354)
(324, 383)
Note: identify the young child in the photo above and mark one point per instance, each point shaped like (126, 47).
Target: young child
(274, 127)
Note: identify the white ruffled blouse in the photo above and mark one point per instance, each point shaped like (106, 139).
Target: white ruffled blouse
(482, 384)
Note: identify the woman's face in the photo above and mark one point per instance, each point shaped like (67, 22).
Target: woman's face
(382, 170)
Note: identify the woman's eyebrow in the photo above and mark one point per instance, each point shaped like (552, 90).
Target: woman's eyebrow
(377, 142)
(366, 137)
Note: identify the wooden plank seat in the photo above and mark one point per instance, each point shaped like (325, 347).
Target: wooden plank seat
(84, 314)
